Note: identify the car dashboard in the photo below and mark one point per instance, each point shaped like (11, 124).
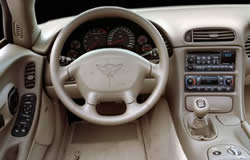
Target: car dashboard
(110, 33)
(208, 48)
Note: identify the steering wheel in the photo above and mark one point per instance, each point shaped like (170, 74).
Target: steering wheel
(109, 74)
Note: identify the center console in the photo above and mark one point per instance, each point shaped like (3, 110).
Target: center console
(210, 61)
(211, 75)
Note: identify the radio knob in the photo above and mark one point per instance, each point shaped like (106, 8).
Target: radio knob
(229, 82)
(191, 81)
(190, 60)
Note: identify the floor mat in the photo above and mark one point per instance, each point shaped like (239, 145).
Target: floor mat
(92, 142)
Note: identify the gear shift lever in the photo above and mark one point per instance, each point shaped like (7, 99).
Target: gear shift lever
(201, 107)
(199, 125)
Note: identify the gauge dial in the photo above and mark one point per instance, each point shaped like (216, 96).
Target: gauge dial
(122, 37)
(95, 38)
(75, 44)
(73, 54)
(142, 39)
(146, 48)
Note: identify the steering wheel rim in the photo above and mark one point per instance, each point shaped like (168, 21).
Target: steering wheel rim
(158, 71)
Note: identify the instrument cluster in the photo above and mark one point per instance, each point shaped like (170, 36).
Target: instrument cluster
(108, 33)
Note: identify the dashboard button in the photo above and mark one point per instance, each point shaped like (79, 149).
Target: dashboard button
(216, 153)
(190, 67)
(190, 60)
(219, 89)
(198, 62)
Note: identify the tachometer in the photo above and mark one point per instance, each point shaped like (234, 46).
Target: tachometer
(121, 37)
(95, 38)
(75, 44)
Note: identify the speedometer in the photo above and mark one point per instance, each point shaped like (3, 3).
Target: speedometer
(121, 37)
(95, 38)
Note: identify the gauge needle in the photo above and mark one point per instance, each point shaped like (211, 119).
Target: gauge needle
(118, 41)
(149, 52)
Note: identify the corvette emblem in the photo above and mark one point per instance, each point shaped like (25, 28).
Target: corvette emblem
(109, 70)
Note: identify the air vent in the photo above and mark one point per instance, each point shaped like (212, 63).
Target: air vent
(210, 35)
(247, 47)
(168, 45)
(18, 30)
(30, 75)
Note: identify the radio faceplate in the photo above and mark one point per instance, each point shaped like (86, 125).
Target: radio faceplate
(209, 83)
(221, 60)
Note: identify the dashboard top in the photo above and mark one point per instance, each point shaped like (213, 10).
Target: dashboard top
(175, 22)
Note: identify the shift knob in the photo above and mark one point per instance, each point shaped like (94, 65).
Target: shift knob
(200, 107)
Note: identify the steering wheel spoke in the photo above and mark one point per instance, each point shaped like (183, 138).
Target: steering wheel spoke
(155, 70)
(89, 109)
(63, 74)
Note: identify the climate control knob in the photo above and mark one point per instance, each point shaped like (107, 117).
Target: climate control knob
(190, 81)
(228, 82)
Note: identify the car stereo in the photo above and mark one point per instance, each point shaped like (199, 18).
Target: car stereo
(220, 61)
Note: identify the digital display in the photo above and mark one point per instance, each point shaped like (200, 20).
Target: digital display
(209, 80)
(228, 57)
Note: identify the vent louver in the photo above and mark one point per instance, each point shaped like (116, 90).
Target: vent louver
(247, 47)
(210, 35)
(168, 45)
(18, 30)
(30, 75)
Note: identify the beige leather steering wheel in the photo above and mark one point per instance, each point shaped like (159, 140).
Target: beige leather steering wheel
(109, 74)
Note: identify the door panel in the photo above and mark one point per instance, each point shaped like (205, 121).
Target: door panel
(21, 70)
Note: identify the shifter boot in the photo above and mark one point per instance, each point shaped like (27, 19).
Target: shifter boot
(197, 124)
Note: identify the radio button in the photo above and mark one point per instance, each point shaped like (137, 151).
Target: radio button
(190, 88)
(190, 67)
(214, 68)
(198, 62)
(220, 89)
(209, 68)
(198, 88)
(211, 89)
(231, 68)
(221, 68)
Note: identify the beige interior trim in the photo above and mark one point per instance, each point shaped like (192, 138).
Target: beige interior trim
(25, 30)
(13, 60)
(160, 137)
